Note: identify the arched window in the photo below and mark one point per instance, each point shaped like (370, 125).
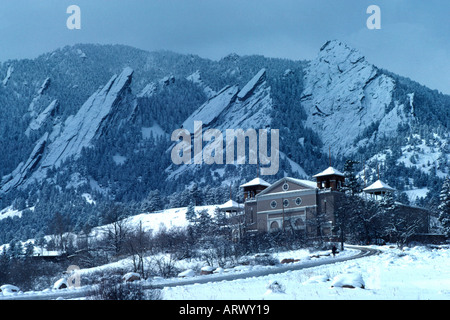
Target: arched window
(274, 226)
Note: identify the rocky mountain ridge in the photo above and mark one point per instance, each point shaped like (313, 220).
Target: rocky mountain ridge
(338, 102)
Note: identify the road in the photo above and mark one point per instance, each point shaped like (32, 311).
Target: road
(84, 292)
(364, 252)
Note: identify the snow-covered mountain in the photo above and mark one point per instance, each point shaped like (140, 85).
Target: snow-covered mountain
(97, 120)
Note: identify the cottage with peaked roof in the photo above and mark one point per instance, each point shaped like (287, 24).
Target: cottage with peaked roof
(378, 188)
(231, 207)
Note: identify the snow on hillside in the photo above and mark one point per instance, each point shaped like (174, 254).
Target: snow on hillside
(424, 156)
(154, 221)
(10, 212)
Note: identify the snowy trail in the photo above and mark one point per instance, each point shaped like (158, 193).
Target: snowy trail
(84, 291)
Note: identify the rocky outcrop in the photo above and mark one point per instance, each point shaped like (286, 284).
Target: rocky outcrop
(82, 128)
(343, 95)
(212, 109)
(37, 122)
(232, 108)
(248, 89)
(77, 133)
(23, 171)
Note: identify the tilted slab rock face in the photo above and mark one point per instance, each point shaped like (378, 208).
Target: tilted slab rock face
(22, 172)
(232, 108)
(212, 109)
(343, 95)
(78, 132)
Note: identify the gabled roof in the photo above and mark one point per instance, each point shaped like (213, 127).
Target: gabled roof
(329, 172)
(305, 183)
(378, 186)
(256, 182)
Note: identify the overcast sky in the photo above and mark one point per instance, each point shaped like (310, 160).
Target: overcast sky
(413, 40)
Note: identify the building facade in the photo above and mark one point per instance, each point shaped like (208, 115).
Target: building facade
(309, 207)
(293, 204)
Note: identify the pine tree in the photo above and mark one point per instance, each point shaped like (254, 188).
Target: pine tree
(388, 210)
(204, 222)
(194, 194)
(444, 207)
(351, 182)
(190, 213)
(153, 202)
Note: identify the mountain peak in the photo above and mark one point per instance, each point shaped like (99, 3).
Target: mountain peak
(340, 54)
(341, 87)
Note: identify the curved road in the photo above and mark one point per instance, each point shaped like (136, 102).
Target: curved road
(364, 252)
(83, 292)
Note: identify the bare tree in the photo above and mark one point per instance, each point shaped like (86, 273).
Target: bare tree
(137, 244)
(117, 229)
(59, 228)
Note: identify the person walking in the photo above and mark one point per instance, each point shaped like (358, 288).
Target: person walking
(334, 251)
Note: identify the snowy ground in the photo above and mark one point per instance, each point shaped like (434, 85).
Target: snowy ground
(418, 273)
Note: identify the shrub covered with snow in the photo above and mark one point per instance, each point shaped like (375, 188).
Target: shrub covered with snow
(348, 280)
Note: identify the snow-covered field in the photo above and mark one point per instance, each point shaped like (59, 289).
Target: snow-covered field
(417, 273)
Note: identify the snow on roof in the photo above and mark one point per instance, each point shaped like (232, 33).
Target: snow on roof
(256, 182)
(328, 172)
(230, 204)
(306, 183)
(378, 186)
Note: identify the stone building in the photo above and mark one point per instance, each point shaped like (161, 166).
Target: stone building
(303, 205)
(293, 204)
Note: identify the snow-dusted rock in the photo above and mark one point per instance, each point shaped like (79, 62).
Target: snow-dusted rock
(37, 122)
(211, 110)
(131, 276)
(148, 91)
(78, 131)
(86, 124)
(207, 270)
(186, 273)
(9, 289)
(22, 171)
(343, 95)
(8, 75)
(61, 284)
(197, 79)
(348, 280)
(257, 80)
